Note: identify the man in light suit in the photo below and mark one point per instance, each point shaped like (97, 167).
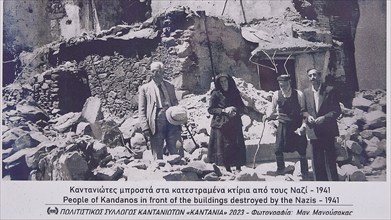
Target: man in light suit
(155, 97)
(321, 111)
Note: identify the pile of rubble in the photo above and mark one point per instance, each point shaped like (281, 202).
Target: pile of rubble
(86, 146)
(89, 146)
(361, 146)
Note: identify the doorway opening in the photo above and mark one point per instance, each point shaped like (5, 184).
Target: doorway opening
(268, 77)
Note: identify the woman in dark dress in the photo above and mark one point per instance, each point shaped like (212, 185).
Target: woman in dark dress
(226, 142)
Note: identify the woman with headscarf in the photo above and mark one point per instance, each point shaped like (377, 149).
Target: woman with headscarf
(226, 142)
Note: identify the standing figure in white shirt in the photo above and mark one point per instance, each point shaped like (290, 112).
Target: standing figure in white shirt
(321, 112)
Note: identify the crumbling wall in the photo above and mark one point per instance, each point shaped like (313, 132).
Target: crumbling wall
(24, 26)
(230, 53)
(115, 81)
(61, 90)
(31, 24)
(232, 9)
(116, 61)
(28, 24)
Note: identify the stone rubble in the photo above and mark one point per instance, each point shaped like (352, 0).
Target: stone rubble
(72, 151)
(78, 120)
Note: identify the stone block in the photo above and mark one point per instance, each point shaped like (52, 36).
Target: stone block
(380, 132)
(198, 167)
(355, 147)
(71, 166)
(366, 134)
(361, 103)
(112, 173)
(66, 122)
(375, 119)
(379, 163)
(181, 176)
(92, 110)
(341, 150)
(84, 128)
(189, 146)
(266, 152)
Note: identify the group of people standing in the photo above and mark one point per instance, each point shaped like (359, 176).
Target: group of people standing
(304, 117)
(307, 117)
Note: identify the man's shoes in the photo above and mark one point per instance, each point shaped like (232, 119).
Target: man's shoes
(278, 172)
(281, 172)
(306, 176)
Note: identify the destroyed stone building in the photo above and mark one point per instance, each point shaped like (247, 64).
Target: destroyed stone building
(70, 86)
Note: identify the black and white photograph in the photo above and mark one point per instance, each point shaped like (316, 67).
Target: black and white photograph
(195, 109)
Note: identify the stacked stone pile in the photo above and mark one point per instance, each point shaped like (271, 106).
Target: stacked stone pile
(80, 146)
(62, 89)
(110, 64)
(361, 146)
(86, 146)
(115, 79)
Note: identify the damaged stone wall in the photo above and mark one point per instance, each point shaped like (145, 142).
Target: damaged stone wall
(230, 54)
(53, 19)
(113, 64)
(184, 51)
(28, 24)
(23, 29)
(31, 24)
(339, 18)
(115, 80)
(20, 17)
(229, 9)
(117, 60)
(61, 90)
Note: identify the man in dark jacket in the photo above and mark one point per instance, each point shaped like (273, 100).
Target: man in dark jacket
(321, 111)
